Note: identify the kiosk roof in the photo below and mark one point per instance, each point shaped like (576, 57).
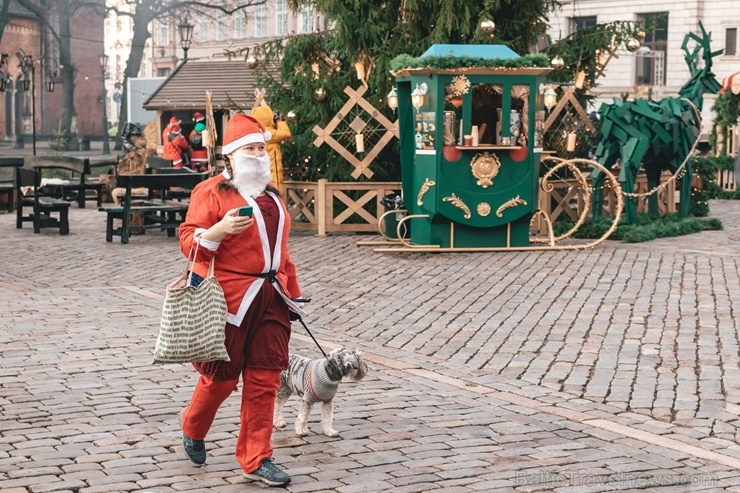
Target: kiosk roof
(473, 51)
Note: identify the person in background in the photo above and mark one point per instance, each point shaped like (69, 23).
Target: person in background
(272, 120)
(454, 102)
(199, 117)
(175, 147)
(165, 133)
(258, 277)
(198, 151)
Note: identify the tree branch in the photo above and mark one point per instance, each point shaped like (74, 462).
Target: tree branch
(4, 17)
(40, 16)
(175, 5)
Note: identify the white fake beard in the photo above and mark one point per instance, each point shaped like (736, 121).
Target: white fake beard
(252, 173)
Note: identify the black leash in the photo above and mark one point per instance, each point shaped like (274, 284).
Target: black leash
(312, 337)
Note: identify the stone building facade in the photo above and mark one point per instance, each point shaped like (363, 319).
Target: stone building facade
(720, 17)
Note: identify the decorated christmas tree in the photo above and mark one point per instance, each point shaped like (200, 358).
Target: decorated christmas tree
(356, 52)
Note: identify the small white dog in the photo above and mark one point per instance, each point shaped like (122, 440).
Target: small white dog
(317, 380)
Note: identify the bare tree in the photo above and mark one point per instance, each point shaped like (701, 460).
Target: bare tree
(3, 16)
(63, 11)
(143, 12)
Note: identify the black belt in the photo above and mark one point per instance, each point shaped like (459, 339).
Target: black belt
(270, 276)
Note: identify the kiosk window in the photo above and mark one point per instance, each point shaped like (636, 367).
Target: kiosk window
(486, 114)
(487, 108)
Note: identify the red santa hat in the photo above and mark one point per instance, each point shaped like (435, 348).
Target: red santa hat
(198, 116)
(175, 121)
(242, 130)
(175, 129)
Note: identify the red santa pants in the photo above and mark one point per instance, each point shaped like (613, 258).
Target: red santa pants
(258, 402)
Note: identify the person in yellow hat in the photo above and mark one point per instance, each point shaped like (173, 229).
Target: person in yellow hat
(280, 133)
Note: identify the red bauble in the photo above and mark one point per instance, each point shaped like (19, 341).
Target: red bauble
(519, 154)
(451, 154)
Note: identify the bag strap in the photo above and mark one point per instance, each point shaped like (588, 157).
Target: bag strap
(191, 261)
(188, 273)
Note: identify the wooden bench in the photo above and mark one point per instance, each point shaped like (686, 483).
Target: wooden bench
(7, 180)
(96, 181)
(158, 213)
(79, 179)
(170, 193)
(42, 207)
(157, 162)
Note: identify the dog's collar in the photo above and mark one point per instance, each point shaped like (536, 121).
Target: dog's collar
(333, 371)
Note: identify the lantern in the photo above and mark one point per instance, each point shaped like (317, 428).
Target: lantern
(392, 98)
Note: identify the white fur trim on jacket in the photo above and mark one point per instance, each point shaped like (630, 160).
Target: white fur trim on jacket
(272, 261)
(246, 139)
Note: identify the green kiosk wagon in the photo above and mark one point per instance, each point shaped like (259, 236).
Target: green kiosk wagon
(471, 142)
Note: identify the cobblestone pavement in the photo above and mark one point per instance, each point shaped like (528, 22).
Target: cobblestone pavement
(610, 369)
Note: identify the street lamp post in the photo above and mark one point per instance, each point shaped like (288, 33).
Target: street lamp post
(103, 66)
(28, 67)
(186, 34)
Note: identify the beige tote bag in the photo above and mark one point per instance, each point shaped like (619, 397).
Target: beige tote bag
(193, 320)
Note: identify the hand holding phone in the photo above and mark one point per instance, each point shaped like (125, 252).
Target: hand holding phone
(245, 211)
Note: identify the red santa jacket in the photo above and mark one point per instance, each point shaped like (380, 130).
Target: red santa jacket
(173, 150)
(198, 155)
(238, 257)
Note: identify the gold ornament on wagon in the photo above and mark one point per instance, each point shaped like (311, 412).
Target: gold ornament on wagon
(509, 204)
(557, 62)
(483, 209)
(485, 168)
(632, 45)
(460, 85)
(457, 202)
(423, 191)
(291, 117)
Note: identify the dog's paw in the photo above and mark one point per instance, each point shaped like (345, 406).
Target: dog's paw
(331, 433)
(279, 423)
(301, 432)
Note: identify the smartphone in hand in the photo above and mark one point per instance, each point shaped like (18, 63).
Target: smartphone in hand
(245, 211)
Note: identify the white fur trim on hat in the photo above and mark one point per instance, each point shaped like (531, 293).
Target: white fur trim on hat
(245, 140)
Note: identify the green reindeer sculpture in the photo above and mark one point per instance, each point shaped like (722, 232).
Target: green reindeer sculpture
(658, 134)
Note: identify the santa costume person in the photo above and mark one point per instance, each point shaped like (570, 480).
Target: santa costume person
(258, 277)
(167, 129)
(175, 147)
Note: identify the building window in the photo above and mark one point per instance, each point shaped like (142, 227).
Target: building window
(260, 21)
(163, 72)
(305, 20)
(201, 29)
(144, 68)
(581, 23)
(281, 17)
(220, 26)
(119, 68)
(656, 39)
(163, 34)
(240, 24)
(731, 41)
